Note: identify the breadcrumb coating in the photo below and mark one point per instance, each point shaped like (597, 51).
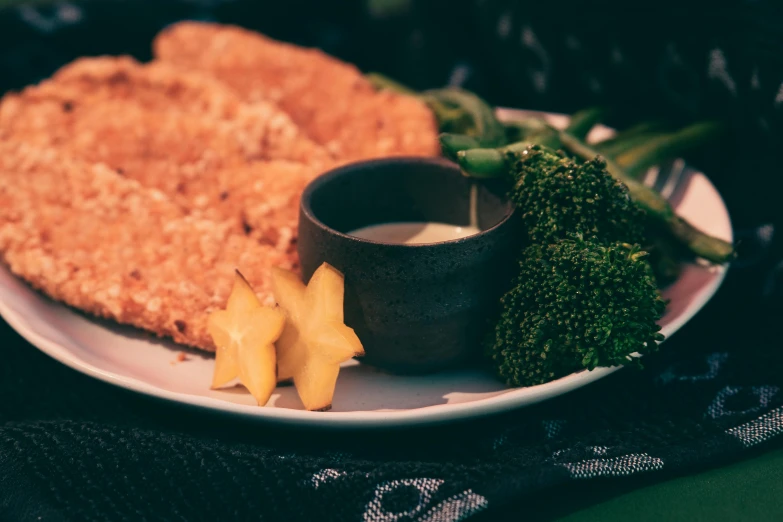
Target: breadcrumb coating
(108, 246)
(133, 191)
(185, 135)
(329, 99)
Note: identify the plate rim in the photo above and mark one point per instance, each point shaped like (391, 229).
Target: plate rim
(428, 415)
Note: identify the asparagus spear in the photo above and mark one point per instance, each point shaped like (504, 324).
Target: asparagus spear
(580, 125)
(636, 161)
(522, 129)
(451, 144)
(486, 127)
(491, 163)
(612, 150)
(456, 110)
(450, 117)
(631, 133)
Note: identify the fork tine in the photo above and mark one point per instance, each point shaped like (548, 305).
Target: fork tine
(676, 179)
(664, 173)
(651, 176)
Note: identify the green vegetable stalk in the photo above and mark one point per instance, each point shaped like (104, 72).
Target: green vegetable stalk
(452, 144)
(658, 208)
(612, 150)
(483, 163)
(456, 110)
(629, 138)
(658, 150)
(582, 122)
(485, 126)
(492, 163)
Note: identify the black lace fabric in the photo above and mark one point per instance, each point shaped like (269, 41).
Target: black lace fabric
(72, 448)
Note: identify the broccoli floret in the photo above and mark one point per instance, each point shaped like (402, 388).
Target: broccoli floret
(575, 304)
(558, 197)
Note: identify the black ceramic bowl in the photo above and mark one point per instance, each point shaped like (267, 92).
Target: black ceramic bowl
(416, 308)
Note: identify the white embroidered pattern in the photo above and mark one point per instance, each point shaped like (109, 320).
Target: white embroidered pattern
(613, 467)
(761, 429)
(453, 509)
(326, 475)
(456, 508)
(718, 407)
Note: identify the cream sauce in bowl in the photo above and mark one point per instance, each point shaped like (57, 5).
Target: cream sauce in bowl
(419, 233)
(414, 233)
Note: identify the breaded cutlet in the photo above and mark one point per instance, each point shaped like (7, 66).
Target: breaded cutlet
(329, 99)
(207, 165)
(155, 85)
(106, 245)
(116, 88)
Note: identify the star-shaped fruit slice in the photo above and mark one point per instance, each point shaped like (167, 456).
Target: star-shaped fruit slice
(315, 340)
(244, 334)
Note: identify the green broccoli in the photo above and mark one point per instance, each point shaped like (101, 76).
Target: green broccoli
(575, 304)
(558, 197)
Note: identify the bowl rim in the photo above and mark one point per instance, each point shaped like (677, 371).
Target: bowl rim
(356, 167)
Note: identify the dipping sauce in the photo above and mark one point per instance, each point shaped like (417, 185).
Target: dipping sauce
(414, 233)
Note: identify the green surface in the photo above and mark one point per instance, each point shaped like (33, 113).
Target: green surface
(748, 490)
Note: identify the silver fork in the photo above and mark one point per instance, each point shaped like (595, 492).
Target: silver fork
(668, 179)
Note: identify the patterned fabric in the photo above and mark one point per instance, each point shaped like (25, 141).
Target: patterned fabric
(72, 448)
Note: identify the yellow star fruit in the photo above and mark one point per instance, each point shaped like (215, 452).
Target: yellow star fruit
(244, 334)
(315, 340)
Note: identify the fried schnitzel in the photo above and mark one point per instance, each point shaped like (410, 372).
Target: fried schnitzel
(142, 101)
(133, 191)
(106, 245)
(329, 99)
(183, 134)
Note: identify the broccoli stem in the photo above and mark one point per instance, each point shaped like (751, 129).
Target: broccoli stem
(583, 121)
(483, 163)
(658, 208)
(636, 161)
(492, 163)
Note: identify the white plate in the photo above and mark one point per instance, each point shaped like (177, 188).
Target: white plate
(364, 396)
